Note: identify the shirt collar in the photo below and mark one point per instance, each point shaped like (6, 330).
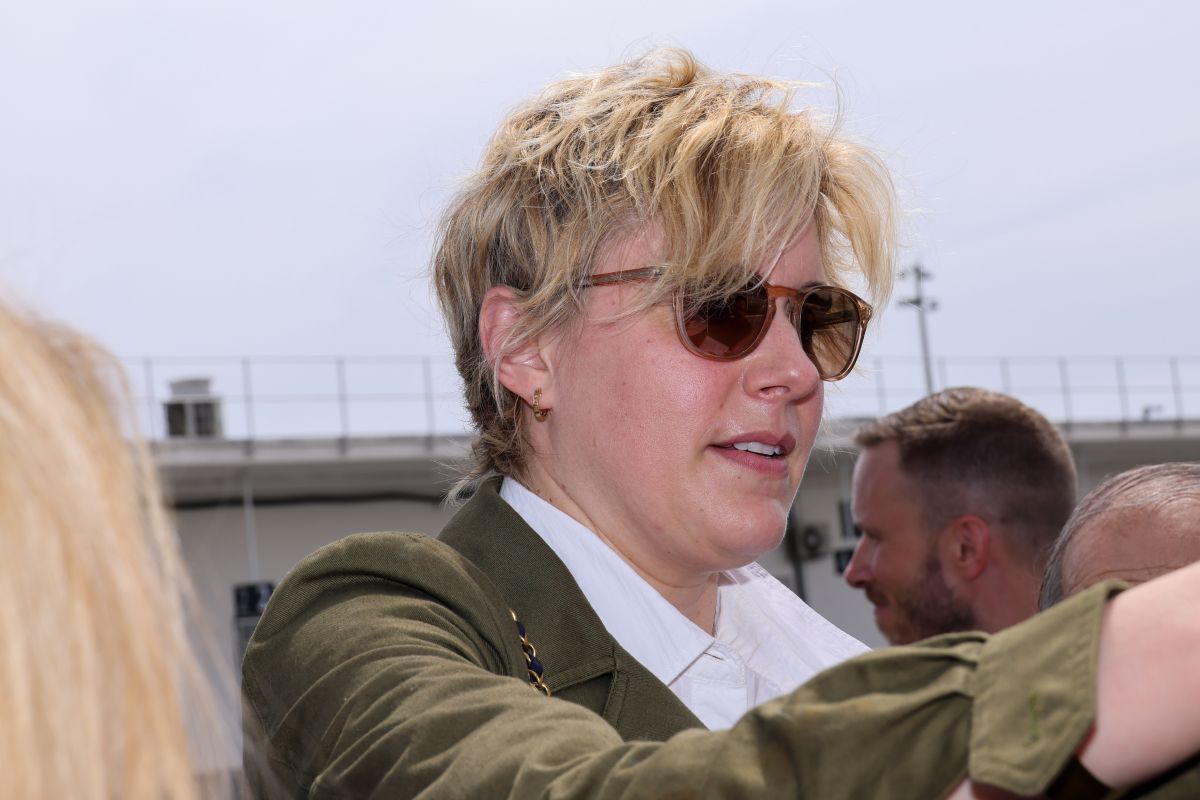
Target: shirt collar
(763, 623)
(775, 633)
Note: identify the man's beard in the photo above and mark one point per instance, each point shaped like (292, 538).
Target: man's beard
(929, 608)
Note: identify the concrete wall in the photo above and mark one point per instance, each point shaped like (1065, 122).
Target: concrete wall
(215, 544)
(825, 487)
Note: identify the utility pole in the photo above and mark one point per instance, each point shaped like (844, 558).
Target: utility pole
(922, 304)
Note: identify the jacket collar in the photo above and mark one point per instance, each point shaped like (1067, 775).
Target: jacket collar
(571, 641)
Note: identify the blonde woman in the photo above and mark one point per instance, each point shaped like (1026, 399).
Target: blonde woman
(647, 283)
(98, 686)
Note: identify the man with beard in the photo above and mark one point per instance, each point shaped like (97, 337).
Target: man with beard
(958, 499)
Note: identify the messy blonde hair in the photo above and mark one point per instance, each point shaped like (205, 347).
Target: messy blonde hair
(95, 663)
(722, 164)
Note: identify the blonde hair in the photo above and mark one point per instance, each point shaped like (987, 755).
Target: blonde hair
(96, 677)
(722, 164)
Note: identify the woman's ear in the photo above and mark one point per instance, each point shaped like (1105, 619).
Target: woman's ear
(523, 370)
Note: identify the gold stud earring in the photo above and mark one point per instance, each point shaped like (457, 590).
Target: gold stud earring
(539, 413)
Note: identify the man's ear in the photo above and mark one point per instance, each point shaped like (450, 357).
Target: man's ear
(968, 549)
(523, 370)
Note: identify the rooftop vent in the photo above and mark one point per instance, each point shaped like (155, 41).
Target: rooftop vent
(193, 412)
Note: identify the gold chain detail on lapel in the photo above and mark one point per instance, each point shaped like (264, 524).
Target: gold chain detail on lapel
(532, 665)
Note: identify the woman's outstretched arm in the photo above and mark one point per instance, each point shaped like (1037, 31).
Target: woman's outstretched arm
(1147, 681)
(1147, 700)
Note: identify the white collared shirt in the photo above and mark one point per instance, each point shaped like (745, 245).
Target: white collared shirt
(768, 641)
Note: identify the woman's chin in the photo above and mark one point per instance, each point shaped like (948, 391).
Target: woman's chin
(748, 538)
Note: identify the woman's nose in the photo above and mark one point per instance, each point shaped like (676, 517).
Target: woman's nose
(779, 364)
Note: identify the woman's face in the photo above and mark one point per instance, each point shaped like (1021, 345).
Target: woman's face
(640, 445)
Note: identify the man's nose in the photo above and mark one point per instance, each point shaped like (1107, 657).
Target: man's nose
(858, 571)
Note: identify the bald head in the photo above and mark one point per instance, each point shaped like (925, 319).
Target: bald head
(1132, 527)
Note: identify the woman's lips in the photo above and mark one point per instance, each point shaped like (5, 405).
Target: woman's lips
(764, 438)
(773, 466)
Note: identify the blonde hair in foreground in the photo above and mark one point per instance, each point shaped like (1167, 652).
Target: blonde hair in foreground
(97, 681)
(722, 164)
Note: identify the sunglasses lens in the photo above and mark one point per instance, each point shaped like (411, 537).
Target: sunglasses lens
(830, 330)
(728, 327)
(828, 323)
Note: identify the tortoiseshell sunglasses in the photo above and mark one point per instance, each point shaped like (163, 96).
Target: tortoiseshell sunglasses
(830, 321)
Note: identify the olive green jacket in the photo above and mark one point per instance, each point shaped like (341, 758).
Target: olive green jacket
(388, 665)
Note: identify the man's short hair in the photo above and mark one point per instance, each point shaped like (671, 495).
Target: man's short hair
(1144, 493)
(970, 450)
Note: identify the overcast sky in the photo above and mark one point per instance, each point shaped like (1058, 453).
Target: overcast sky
(262, 178)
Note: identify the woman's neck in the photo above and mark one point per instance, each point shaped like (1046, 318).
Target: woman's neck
(693, 594)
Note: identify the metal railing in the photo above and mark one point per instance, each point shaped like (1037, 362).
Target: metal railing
(1067, 390)
(292, 397)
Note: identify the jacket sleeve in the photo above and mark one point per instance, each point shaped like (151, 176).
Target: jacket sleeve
(384, 667)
